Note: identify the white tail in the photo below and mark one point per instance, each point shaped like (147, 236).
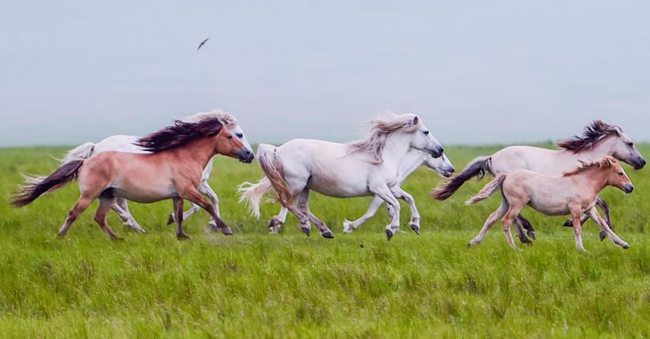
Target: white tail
(81, 152)
(488, 190)
(252, 194)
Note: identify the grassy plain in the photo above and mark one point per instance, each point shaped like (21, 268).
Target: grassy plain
(287, 286)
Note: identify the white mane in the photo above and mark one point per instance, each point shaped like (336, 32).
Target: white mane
(226, 119)
(381, 129)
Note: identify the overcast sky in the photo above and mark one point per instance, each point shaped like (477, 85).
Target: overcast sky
(475, 71)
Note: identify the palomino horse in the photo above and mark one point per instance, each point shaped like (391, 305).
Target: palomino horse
(411, 162)
(127, 143)
(362, 168)
(599, 139)
(572, 194)
(179, 153)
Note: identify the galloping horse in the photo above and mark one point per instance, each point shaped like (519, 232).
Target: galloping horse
(172, 170)
(572, 194)
(365, 167)
(599, 139)
(127, 143)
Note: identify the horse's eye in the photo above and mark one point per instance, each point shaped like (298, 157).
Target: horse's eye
(229, 137)
(621, 174)
(629, 144)
(240, 135)
(426, 132)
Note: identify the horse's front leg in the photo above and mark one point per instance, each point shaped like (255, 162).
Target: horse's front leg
(605, 207)
(527, 226)
(178, 216)
(192, 194)
(414, 223)
(593, 214)
(121, 207)
(384, 193)
(349, 226)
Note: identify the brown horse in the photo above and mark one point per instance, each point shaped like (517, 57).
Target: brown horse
(172, 170)
(572, 194)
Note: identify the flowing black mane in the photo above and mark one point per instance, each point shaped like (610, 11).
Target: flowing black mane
(593, 133)
(179, 134)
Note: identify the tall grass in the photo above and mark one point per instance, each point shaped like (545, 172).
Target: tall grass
(292, 286)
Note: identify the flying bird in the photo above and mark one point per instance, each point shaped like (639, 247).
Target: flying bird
(202, 43)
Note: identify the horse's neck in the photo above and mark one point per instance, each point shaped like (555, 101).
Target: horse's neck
(595, 179)
(395, 151)
(199, 151)
(410, 163)
(598, 151)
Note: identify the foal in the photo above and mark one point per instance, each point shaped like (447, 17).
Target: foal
(172, 170)
(572, 194)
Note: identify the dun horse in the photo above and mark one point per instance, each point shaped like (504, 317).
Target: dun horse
(572, 194)
(172, 170)
(362, 168)
(126, 143)
(599, 139)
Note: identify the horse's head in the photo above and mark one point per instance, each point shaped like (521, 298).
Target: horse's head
(441, 165)
(229, 145)
(421, 138)
(616, 176)
(621, 147)
(238, 132)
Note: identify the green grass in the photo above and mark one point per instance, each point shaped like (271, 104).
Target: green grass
(291, 286)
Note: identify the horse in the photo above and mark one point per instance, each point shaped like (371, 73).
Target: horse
(411, 162)
(127, 143)
(361, 168)
(172, 170)
(574, 193)
(599, 139)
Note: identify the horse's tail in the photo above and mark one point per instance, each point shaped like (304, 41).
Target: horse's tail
(488, 190)
(34, 187)
(253, 193)
(477, 168)
(272, 167)
(83, 151)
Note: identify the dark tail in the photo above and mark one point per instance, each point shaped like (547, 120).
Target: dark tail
(477, 168)
(35, 187)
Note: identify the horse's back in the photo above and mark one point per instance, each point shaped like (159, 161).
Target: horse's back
(118, 143)
(531, 158)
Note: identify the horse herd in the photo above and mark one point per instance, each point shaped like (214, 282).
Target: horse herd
(175, 163)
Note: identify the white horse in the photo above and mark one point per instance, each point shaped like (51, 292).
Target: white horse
(126, 143)
(411, 162)
(599, 139)
(365, 167)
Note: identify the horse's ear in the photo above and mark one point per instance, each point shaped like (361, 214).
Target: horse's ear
(415, 121)
(607, 161)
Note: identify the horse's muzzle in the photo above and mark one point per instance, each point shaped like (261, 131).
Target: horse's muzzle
(245, 155)
(628, 188)
(436, 152)
(639, 164)
(449, 172)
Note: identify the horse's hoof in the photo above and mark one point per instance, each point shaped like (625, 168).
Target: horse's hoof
(182, 236)
(274, 223)
(117, 239)
(389, 234)
(415, 229)
(626, 246)
(328, 235)
(603, 236)
(568, 223)
(532, 235)
(226, 231)
(346, 227)
(306, 230)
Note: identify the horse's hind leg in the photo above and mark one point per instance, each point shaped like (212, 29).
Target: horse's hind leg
(303, 205)
(577, 228)
(105, 203)
(278, 220)
(520, 232)
(121, 207)
(593, 214)
(605, 207)
(493, 218)
(178, 216)
(349, 226)
(527, 226)
(81, 205)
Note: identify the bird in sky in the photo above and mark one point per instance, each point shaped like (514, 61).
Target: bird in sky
(202, 43)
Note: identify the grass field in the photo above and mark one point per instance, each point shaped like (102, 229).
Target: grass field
(287, 286)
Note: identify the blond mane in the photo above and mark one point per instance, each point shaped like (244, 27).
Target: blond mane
(606, 162)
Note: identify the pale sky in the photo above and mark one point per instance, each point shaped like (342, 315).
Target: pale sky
(475, 71)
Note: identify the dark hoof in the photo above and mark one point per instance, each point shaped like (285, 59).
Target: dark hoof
(415, 229)
(226, 231)
(328, 235)
(389, 234)
(117, 239)
(170, 220)
(532, 234)
(274, 223)
(568, 223)
(526, 241)
(626, 246)
(306, 230)
(603, 236)
(182, 236)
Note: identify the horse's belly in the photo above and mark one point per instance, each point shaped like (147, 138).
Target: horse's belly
(338, 189)
(146, 195)
(551, 209)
